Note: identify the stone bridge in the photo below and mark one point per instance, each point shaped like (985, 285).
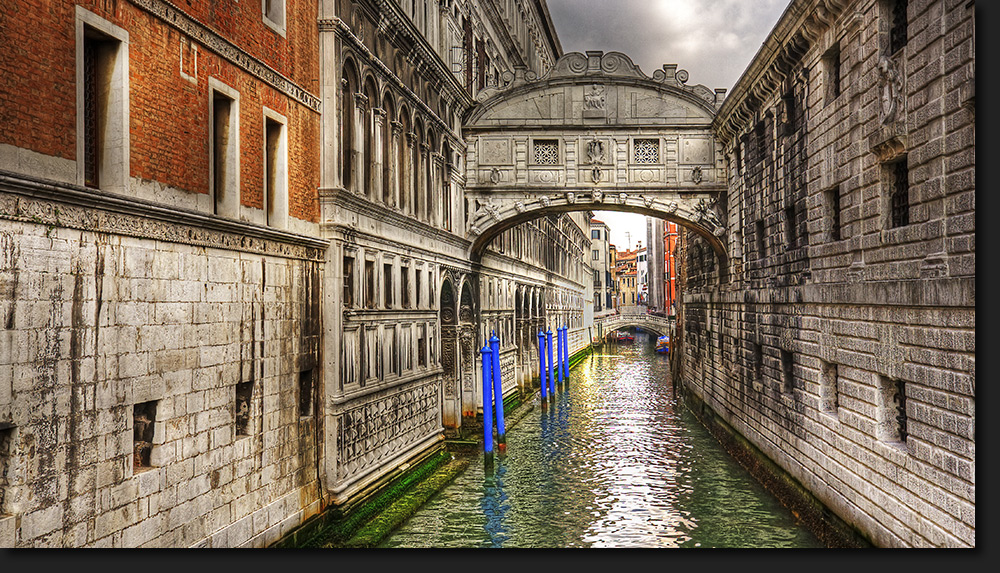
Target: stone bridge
(660, 325)
(595, 133)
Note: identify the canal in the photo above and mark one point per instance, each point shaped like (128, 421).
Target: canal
(614, 460)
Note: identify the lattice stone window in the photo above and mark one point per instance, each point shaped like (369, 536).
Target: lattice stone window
(647, 150)
(546, 151)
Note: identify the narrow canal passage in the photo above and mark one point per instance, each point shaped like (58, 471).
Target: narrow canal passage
(612, 461)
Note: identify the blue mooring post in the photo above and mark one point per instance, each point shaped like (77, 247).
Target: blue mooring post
(552, 378)
(565, 356)
(541, 364)
(498, 393)
(487, 403)
(559, 350)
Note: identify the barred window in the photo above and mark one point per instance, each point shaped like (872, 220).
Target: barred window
(546, 151)
(647, 150)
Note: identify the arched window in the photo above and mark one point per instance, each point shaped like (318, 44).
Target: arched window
(387, 150)
(403, 162)
(416, 179)
(348, 86)
(446, 186)
(430, 185)
(368, 124)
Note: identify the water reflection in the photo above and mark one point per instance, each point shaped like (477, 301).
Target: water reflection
(611, 461)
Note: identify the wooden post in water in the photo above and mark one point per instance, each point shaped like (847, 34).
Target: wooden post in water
(498, 393)
(487, 356)
(541, 365)
(552, 379)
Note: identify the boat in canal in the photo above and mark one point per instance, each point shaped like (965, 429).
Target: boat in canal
(623, 336)
(663, 344)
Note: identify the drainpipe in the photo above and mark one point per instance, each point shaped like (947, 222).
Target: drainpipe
(498, 393)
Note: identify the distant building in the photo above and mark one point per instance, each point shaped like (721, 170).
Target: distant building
(600, 263)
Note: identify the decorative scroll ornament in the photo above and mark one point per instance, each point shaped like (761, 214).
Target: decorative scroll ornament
(648, 201)
(595, 174)
(476, 230)
(672, 207)
(696, 174)
(595, 152)
(890, 85)
(598, 196)
(495, 176)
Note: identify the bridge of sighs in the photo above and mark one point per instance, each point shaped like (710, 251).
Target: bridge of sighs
(595, 133)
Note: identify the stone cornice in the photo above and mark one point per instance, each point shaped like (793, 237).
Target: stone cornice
(801, 25)
(63, 205)
(357, 204)
(177, 18)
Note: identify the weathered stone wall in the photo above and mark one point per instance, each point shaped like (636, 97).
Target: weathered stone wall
(844, 345)
(98, 325)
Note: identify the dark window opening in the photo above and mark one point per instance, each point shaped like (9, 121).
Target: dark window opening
(305, 392)
(91, 114)
(143, 424)
(422, 345)
(416, 288)
(900, 201)
(404, 285)
(759, 238)
(900, 399)
(221, 107)
(348, 281)
(833, 200)
(272, 134)
(387, 284)
(369, 284)
(897, 27)
(829, 401)
(244, 392)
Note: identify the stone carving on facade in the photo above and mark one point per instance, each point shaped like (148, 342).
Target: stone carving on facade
(544, 200)
(696, 174)
(598, 196)
(672, 207)
(595, 152)
(890, 87)
(519, 206)
(595, 174)
(493, 211)
(494, 176)
(648, 200)
(593, 99)
(571, 197)
(622, 198)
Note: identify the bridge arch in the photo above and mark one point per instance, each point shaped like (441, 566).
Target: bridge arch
(595, 133)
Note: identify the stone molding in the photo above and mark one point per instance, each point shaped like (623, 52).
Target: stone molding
(63, 205)
(177, 18)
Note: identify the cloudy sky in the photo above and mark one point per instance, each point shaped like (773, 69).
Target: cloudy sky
(714, 40)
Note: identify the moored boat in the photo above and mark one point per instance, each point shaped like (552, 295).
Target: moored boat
(663, 344)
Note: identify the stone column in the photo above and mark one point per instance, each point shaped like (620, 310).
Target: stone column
(378, 117)
(394, 166)
(357, 151)
(409, 185)
(421, 186)
(437, 167)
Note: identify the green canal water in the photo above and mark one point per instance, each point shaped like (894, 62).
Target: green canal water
(614, 460)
